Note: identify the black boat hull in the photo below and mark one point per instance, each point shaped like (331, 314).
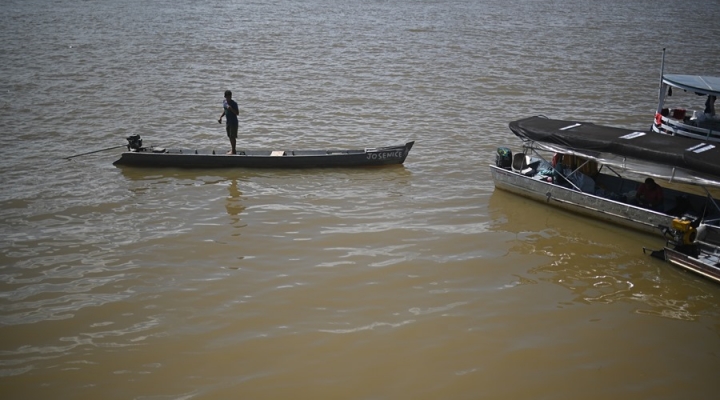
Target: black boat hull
(183, 158)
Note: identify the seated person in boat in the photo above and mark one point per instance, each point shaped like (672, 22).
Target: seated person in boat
(682, 206)
(574, 172)
(710, 106)
(650, 195)
(708, 119)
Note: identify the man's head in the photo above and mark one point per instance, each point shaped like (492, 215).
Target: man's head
(228, 94)
(650, 182)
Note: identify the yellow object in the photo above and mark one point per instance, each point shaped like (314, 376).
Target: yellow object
(681, 225)
(689, 233)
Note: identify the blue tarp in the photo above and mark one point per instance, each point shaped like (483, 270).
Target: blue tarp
(694, 83)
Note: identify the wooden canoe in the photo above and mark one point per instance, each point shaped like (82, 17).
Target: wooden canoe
(139, 156)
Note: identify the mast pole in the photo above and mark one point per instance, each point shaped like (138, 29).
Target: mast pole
(661, 92)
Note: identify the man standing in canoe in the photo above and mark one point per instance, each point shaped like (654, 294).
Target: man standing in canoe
(230, 112)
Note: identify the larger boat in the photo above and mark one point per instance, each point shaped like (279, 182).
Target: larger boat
(684, 116)
(597, 171)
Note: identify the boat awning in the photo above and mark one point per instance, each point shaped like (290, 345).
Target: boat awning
(694, 83)
(674, 158)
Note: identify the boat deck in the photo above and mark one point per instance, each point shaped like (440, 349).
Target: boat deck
(258, 153)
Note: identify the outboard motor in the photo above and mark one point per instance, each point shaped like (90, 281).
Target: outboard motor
(134, 143)
(503, 158)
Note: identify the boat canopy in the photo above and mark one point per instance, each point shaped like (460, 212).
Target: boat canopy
(709, 85)
(673, 158)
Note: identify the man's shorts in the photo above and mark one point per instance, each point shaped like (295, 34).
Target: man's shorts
(232, 131)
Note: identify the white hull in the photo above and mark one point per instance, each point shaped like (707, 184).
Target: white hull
(672, 126)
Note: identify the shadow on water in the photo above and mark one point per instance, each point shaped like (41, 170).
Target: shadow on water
(139, 173)
(596, 261)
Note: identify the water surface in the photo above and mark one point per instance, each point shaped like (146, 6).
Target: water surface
(411, 282)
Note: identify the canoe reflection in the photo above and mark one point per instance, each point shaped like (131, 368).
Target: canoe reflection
(233, 204)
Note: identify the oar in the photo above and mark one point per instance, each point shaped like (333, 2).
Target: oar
(95, 151)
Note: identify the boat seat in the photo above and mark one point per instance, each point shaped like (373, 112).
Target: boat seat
(520, 164)
(710, 235)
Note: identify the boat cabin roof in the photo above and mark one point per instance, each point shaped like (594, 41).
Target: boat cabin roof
(694, 83)
(674, 158)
